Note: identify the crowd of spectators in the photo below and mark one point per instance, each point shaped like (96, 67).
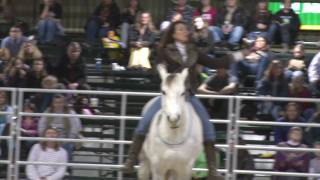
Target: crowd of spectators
(22, 64)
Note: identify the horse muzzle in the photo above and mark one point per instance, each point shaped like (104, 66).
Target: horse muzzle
(174, 122)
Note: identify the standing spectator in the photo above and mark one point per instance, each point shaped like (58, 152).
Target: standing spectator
(5, 121)
(298, 61)
(49, 26)
(314, 75)
(259, 21)
(202, 36)
(29, 52)
(292, 114)
(71, 70)
(16, 73)
(275, 84)
(68, 127)
(255, 63)
(207, 12)
(314, 166)
(36, 75)
(47, 151)
(288, 23)
(231, 21)
(129, 16)
(181, 7)
(14, 41)
(106, 17)
(286, 161)
(142, 38)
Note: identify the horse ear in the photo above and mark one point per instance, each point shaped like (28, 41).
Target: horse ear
(184, 74)
(162, 71)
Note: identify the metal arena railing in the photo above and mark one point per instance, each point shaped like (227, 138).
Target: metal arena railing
(231, 147)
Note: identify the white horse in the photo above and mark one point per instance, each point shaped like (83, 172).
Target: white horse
(175, 136)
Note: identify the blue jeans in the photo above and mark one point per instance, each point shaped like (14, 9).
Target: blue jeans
(209, 133)
(69, 147)
(48, 30)
(94, 30)
(254, 34)
(234, 38)
(287, 35)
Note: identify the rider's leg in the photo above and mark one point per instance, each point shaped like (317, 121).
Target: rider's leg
(209, 137)
(140, 133)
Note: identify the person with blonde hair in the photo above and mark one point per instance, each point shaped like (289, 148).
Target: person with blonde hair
(29, 52)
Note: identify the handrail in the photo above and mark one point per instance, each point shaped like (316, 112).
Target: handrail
(5, 137)
(277, 173)
(276, 148)
(272, 123)
(4, 162)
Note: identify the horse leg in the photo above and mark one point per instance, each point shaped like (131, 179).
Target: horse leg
(158, 174)
(144, 170)
(184, 174)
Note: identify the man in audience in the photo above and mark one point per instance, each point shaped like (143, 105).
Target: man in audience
(314, 75)
(314, 166)
(231, 21)
(182, 8)
(288, 23)
(14, 41)
(292, 161)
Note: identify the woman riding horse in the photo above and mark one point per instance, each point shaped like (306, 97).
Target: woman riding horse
(176, 52)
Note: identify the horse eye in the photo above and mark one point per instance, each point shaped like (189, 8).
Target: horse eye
(184, 93)
(164, 93)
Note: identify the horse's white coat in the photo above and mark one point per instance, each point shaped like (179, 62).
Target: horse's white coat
(175, 137)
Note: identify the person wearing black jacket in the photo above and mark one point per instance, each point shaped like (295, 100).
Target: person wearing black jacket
(288, 23)
(106, 17)
(231, 21)
(71, 70)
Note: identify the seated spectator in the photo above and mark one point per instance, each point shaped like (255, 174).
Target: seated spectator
(4, 61)
(129, 16)
(314, 166)
(275, 84)
(181, 7)
(202, 37)
(231, 21)
(298, 89)
(29, 128)
(50, 152)
(314, 75)
(71, 70)
(295, 161)
(5, 121)
(43, 100)
(298, 61)
(142, 38)
(14, 41)
(29, 52)
(314, 132)
(207, 12)
(255, 63)
(68, 127)
(175, 18)
(259, 21)
(35, 76)
(16, 73)
(288, 23)
(49, 27)
(106, 17)
(292, 114)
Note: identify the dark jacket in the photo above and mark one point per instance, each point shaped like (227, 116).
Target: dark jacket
(274, 88)
(239, 17)
(205, 44)
(171, 57)
(262, 18)
(114, 18)
(71, 73)
(33, 81)
(147, 39)
(291, 16)
(187, 14)
(127, 17)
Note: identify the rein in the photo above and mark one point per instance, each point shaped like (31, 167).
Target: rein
(179, 142)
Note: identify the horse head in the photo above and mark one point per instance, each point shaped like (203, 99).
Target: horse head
(173, 95)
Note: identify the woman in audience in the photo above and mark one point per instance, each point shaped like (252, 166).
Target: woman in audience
(29, 52)
(142, 38)
(4, 61)
(49, 26)
(16, 73)
(260, 21)
(292, 114)
(5, 121)
(255, 63)
(36, 75)
(106, 17)
(292, 161)
(314, 166)
(129, 16)
(47, 152)
(298, 61)
(202, 37)
(207, 12)
(68, 127)
(275, 84)
(299, 89)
